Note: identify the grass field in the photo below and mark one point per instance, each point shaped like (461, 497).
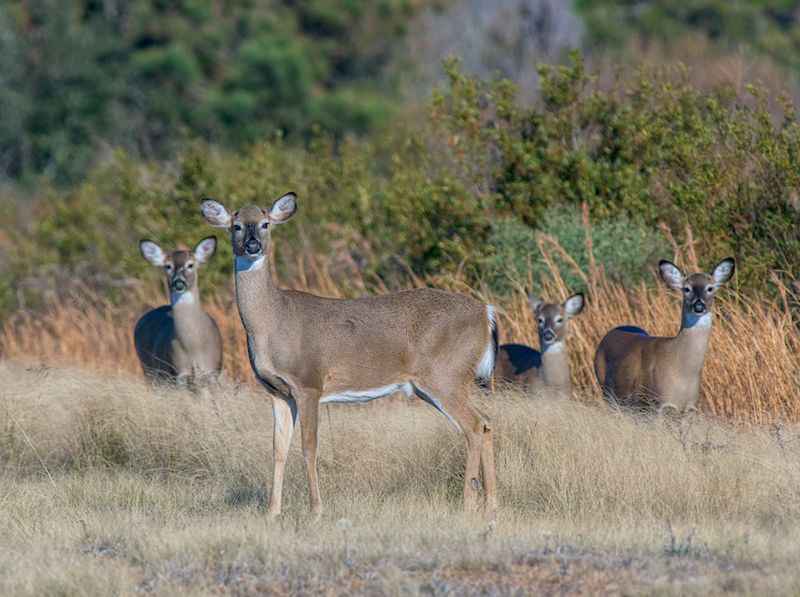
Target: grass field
(108, 487)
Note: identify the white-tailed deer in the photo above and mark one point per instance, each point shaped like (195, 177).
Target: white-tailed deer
(547, 370)
(645, 372)
(308, 350)
(179, 342)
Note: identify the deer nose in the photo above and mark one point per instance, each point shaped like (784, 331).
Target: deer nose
(699, 306)
(179, 285)
(548, 335)
(252, 246)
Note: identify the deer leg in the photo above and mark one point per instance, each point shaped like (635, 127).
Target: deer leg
(489, 474)
(471, 426)
(284, 414)
(488, 467)
(453, 405)
(309, 427)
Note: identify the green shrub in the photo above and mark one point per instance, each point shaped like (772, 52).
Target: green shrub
(464, 191)
(512, 253)
(651, 149)
(625, 248)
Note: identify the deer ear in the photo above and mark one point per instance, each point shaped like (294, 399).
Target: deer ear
(535, 302)
(152, 252)
(205, 249)
(215, 213)
(724, 270)
(574, 305)
(671, 274)
(283, 209)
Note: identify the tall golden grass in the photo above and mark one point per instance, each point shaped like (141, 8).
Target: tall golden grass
(751, 371)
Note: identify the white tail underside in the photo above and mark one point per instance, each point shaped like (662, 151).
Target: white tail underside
(486, 365)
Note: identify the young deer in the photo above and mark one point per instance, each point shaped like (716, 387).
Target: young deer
(549, 369)
(645, 372)
(307, 350)
(179, 342)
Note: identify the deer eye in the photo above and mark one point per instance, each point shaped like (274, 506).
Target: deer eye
(189, 265)
(237, 227)
(541, 321)
(264, 225)
(559, 319)
(709, 289)
(686, 290)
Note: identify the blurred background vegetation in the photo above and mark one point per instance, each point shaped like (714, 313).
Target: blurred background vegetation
(422, 136)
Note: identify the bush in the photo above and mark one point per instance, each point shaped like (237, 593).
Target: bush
(435, 198)
(625, 248)
(514, 251)
(650, 149)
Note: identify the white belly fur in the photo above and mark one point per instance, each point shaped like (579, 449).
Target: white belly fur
(357, 396)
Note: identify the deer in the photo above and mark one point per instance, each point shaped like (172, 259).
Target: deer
(179, 342)
(308, 350)
(547, 369)
(663, 374)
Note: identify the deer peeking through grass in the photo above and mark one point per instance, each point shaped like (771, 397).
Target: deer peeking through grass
(179, 342)
(546, 369)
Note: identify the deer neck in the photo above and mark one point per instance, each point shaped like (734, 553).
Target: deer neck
(187, 312)
(555, 365)
(257, 294)
(692, 340)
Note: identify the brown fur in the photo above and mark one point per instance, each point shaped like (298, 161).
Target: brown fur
(178, 342)
(305, 347)
(548, 370)
(656, 373)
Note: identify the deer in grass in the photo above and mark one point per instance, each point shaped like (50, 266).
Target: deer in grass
(308, 350)
(650, 373)
(548, 370)
(179, 342)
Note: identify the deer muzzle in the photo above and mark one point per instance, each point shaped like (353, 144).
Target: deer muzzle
(252, 246)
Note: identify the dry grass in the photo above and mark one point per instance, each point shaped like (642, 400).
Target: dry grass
(107, 487)
(110, 487)
(750, 373)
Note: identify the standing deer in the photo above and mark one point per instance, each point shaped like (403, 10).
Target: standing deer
(549, 369)
(309, 350)
(637, 370)
(179, 342)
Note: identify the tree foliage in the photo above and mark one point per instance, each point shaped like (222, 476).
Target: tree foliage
(770, 27)
(79, 76)
(650, 152)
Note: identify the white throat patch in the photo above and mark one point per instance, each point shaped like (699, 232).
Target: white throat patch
(692, 320)
(181, 298)
(555, 347)
(246, 264)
